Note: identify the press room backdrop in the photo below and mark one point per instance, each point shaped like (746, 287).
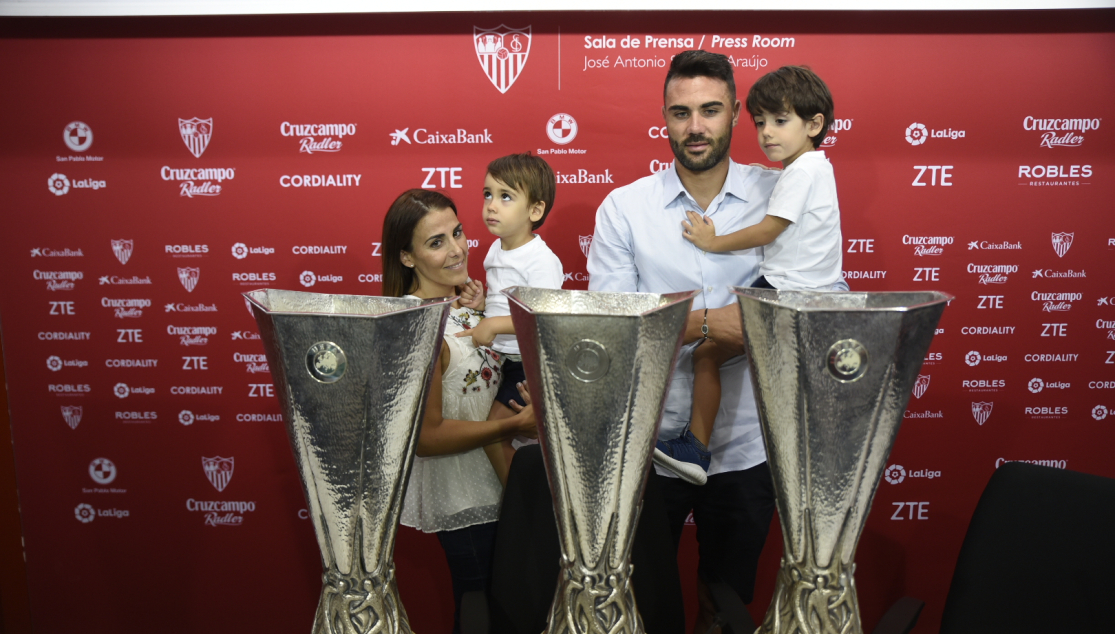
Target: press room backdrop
(155, 169)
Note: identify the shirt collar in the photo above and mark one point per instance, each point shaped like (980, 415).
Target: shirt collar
(735, 184)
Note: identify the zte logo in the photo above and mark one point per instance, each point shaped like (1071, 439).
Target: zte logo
(927, 274)
(375, 249)
(911, 511)
(939, 175)
(1055, 330)
(195, 363)
(261, 390)
(454, 179)
(129, 335)
(992, 302)
(861, 245)
(62, 308)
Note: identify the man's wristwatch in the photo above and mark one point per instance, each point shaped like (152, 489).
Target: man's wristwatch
(704, 325)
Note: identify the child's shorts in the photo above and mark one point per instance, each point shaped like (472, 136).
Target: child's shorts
(512, 374)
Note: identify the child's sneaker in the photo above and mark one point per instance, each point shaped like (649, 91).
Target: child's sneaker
(685, 457)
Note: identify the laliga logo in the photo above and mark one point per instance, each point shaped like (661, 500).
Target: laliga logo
(122, 249)
(1035, 385)
(1061, 243)
(58, 184)
(218, 470)
(239, 250)
(186, 417)
(1099, 412)
(53, 363)
(72, 415)
(78, 136)
(895, 473)
(102, 471)
(981, 411)
(586, 244)
(121, 390)
(972, 358)
(502, 53)
(307, 278)
(400, 135)
(561, 128)
(196, 134)
(916, 134)
(921, 385)
(84, 513)
(188, 276)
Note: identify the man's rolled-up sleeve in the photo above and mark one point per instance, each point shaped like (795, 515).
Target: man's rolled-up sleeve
(611, 258)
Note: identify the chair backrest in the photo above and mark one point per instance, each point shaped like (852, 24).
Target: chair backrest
(1038, 555)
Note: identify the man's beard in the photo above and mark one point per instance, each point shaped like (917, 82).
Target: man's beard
(717, 149)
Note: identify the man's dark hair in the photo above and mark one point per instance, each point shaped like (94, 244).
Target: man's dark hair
(690, 64)
(793, 89)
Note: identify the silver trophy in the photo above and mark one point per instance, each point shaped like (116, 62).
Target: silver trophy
(832, 373)
(352, 374)
(599, 365)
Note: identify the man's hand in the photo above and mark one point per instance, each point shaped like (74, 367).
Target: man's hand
(472, 295)
(724, 327)
(699, 230)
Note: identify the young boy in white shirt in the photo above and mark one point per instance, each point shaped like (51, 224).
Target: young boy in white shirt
(792, 110)
(518, 196)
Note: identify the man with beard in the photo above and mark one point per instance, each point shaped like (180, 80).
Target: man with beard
(637, 246)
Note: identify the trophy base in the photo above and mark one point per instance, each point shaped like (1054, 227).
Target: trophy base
(594, 603)
(360, 605)
(810, 599)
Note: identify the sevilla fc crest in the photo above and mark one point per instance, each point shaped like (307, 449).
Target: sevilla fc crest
(502, 52)
(1062, 242)
(981, 411)
(218, 470)
(189, 276)
(196, 133)
(921, 385)
(72, 415)
(586, 244)
(122, 249)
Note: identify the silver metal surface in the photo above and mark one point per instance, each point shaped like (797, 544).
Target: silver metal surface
(352, 374)
(598, 365)
(832, 373)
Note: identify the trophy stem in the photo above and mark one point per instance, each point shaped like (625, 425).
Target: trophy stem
(362, 604)
(813, 599)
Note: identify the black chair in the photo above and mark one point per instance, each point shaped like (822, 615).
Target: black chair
(1036, 557)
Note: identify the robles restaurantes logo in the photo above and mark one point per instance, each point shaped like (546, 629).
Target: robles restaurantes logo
(928, 245)
(307, 134)
(1060, 132)
(561, 128)
(1054, 175)
(502, 52)
(918, 134)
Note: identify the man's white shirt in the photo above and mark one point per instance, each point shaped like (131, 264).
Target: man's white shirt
(638, 246)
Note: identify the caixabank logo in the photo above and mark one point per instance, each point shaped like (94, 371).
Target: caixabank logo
(502, 53)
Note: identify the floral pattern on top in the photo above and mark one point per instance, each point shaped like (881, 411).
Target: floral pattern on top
(488, 370)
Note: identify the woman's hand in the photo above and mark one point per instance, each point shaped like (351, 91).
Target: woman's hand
(524, 422)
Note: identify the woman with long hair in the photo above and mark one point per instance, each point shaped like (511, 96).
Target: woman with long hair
(453, 490)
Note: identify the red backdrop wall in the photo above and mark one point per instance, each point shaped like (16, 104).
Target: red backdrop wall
(972, 155)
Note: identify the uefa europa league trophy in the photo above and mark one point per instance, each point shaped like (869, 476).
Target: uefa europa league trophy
(832, 375)
(598, 365)
(352, 374)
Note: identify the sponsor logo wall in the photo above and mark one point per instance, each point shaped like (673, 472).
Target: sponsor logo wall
(143, 410)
